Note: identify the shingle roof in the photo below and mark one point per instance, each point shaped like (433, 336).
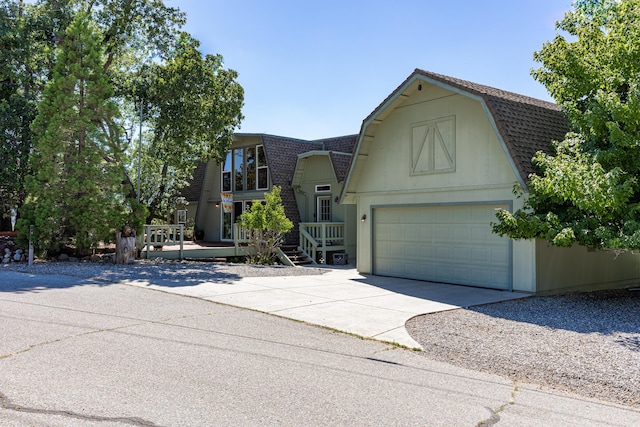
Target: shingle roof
(341, 164)
(343, 144)
(282, 154)
(526, 124)
(192, 190)
(340, 149)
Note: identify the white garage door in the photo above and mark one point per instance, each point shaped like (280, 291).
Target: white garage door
(448, 244)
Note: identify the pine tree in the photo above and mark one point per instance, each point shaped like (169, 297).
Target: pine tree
(74, 192)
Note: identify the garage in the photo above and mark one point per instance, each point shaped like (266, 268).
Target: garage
(444, 243)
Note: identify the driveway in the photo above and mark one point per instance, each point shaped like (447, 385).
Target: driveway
(369, 306)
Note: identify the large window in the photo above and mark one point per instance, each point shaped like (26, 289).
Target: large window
(239, 169)
(226, 173)
(263, 178)
(245, 169)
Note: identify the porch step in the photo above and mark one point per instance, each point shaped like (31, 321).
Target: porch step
(295, 254)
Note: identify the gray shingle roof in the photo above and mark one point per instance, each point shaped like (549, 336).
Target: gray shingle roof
(343, 144)
(282, 154)
(192, 190)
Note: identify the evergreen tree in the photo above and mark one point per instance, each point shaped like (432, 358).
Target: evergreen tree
(74, 191)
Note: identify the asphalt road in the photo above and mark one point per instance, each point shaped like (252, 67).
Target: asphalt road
(80, 353)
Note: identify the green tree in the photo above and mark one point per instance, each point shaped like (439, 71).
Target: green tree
(265, 225)
(29, 35)
(73, 196)
(587, 190)
(194, 105)
(23, 64)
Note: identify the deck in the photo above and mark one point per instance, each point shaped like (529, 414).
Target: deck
(196, 250)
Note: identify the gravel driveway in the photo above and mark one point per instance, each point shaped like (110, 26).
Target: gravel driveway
(588, 344)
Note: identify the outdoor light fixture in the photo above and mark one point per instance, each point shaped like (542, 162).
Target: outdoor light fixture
(363, 218)
(217, 205)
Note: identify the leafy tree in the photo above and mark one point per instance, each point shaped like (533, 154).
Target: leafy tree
(73, 194)
(29, 35)
(23, 65)
(587, 189)
(265, 225)
(194, 107)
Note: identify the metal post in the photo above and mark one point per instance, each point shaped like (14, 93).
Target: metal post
(30, 245)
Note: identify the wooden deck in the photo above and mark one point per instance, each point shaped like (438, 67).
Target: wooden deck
(193, 250)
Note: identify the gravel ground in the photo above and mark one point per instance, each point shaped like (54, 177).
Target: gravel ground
(587, 343)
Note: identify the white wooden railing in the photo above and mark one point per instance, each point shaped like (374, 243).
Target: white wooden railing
(240, 236)
(160, 235)
(321, 237)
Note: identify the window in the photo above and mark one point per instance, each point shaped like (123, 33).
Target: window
(263, 181)
(323, 188)
(245, 169)
(251, 168)
(182, 216)
(239, 168)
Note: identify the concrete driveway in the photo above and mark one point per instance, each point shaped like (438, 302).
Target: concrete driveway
(342, 299)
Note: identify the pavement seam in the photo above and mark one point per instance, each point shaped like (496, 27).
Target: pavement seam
(495, 413)
(58, 340)
(6, 404)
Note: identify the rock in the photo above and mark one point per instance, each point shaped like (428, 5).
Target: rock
(17, 257)
(95, 258)
(7, 251)
(19, 251)
(6, 260)
(73, 259)
(63, 257)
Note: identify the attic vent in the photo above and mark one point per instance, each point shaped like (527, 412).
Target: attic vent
(323, 188)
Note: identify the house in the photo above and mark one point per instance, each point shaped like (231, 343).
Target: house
(310, 174)
(432, 164)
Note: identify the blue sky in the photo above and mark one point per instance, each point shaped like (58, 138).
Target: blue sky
(312, 70)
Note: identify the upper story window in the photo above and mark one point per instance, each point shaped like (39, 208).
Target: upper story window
(245, 169)
(263, 170)
(226, 173)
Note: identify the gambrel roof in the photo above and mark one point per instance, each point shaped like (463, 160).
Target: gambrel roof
(524, 125)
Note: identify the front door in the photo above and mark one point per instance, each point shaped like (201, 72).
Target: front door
(230, 218)
(323, 209)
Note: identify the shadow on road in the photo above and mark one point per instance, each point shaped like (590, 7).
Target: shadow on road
(66, 275)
